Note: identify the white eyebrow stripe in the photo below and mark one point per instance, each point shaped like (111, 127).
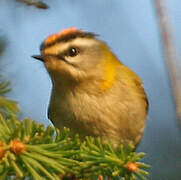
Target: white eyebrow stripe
(85, 42)
(63, 46)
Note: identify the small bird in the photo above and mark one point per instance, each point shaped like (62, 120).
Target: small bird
(93, 93)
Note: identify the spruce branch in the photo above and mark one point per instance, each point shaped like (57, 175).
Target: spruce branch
(7, 107)
(28, 149)
(4, 86)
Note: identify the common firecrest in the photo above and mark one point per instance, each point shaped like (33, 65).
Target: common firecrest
(93, 93)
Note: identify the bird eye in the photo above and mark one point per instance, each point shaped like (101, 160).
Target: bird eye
(73, 52)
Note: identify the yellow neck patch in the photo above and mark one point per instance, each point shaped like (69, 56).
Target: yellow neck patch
(110, 65)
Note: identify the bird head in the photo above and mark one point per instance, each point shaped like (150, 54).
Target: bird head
(73, 56)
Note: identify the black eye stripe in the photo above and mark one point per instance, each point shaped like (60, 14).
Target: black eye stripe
(66, 53)
(71, 51)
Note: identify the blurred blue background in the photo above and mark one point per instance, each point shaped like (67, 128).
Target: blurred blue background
(131, 30)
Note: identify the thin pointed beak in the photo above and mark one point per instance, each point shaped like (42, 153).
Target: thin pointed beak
(39, 57)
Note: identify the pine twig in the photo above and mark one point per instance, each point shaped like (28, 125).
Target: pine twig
(30, 150)
(7, 107)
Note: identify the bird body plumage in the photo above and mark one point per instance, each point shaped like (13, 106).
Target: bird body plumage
(93, 92)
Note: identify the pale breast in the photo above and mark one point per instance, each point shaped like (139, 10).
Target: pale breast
(118, 114)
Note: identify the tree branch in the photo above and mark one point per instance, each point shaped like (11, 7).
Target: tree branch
(170, 51)
(38, 4)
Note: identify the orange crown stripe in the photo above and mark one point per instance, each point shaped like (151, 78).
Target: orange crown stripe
(52, 38)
